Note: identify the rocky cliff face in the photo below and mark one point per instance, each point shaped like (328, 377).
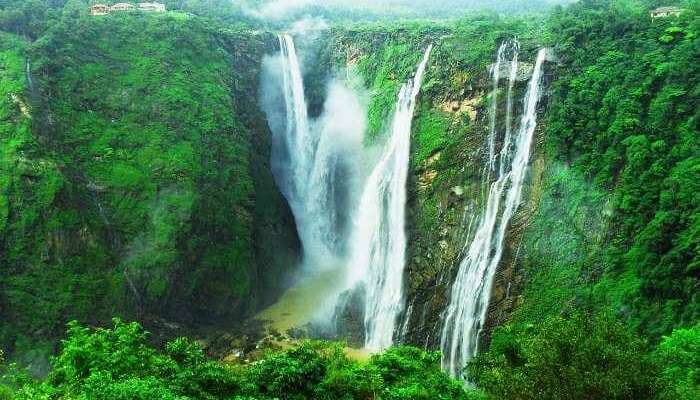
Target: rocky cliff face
(447, 190)
(275, 239)
(448, 155)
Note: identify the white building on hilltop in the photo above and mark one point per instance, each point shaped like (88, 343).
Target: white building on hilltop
(152, 7)
(104, 9)
(122, 7)
(99, 9)
(665, 12)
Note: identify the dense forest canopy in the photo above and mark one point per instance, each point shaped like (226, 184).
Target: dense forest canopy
(135, 184)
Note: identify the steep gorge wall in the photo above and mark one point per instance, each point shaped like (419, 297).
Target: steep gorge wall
(583, 238)
(447, 193)
(565, 248)
(141, 186)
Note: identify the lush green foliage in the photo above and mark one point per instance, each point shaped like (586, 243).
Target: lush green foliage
(151, 147)
(626, 113)
(29, 184)
(584, 356)
(617, 227)
(679, 358)
(32, 18)
(580, 357)
(114, 364)
(128, 183)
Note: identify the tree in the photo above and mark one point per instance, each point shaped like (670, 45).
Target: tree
(578, 357)
(678, 357)
(119, 364)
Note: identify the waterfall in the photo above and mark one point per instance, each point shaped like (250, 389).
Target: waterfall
(496, 77)
(312, 160)
(378, 242)
(465, 315)
(299, 143)
(508, 140)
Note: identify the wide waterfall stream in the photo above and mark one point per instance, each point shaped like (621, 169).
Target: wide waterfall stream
(307, 162)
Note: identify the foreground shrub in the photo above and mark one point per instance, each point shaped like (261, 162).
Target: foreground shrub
(678, 356)
(580, 357)
(119, 364)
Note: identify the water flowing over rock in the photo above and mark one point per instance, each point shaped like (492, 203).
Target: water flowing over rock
(313, 161)
(496, 74)
(471, 291)
(378, 243)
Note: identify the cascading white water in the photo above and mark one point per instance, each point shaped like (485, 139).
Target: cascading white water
(508, 140)
(311, 161)
(378, 242)
(299, 143)
(496, 77)
(465, 315)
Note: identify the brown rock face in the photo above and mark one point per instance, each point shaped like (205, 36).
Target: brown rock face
(467, 106)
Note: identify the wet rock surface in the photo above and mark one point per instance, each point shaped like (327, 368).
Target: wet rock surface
(446, 197)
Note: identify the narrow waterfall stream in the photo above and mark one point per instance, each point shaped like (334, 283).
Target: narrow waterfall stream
(378, 243)
(299, 145)
(466, 313)
(496, 78)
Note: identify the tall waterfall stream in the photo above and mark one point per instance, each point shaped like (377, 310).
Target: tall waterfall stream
(469, 299)
(378, 241)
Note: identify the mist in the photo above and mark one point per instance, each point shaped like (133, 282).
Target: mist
(316, 163)
(282, 9)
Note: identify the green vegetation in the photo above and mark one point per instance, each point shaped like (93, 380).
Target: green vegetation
(112, 364)
(626, 113)
(134, 181)
(679, 356)
(561, 358)
(586, 357)
(29, 183)
(128, 184)
(624, 116)
(616, 231)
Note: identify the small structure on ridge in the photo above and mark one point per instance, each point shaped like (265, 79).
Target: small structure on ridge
(99, 9)
(122, 7)
(152, 7)
(104, 9)
(665, 12)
